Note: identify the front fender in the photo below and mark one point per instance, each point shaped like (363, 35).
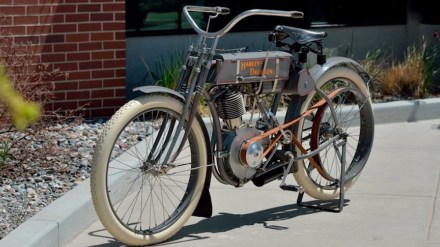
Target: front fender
(204, 207)
(160, 89)
(318, 70)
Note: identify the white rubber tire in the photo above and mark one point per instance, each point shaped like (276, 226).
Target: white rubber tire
(99, 168)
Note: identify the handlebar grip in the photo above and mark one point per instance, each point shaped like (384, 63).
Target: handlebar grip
(224, 11)
(297, 14)
(214, 10)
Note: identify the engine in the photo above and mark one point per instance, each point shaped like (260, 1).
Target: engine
(231, 107)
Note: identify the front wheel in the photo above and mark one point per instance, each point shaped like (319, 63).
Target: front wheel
(354, 117)
(140, 197)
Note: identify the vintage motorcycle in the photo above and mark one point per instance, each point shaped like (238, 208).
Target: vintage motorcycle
(153, 161)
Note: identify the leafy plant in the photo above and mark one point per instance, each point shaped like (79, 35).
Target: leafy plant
(4, 153)
(375, 64)
(412, 77)
(25, 89)
(23, 111)
(166, 70)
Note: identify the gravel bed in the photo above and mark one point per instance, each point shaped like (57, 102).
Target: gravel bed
(27, 190)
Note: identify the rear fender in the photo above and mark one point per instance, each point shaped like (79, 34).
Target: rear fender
(318, 70)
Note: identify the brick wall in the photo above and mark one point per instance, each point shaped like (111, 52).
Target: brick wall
(83, 38)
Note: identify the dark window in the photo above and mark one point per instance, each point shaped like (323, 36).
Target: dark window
(425, 11)
(152, 17)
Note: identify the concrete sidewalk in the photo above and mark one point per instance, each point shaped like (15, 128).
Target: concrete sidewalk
(394, 203)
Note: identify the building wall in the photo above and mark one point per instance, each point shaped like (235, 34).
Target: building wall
(353, 42)
(84, 39)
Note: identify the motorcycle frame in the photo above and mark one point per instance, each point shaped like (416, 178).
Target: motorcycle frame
(191, 86)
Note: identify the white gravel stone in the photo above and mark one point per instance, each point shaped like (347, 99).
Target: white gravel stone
(25, 196)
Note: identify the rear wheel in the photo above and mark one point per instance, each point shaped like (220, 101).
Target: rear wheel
(140, 198)
(354, 117)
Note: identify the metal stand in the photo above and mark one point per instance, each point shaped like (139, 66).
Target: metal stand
(341, 186)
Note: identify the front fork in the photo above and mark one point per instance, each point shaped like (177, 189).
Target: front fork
(195, 78)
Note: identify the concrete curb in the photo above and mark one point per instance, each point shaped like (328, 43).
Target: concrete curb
(66, 217)
(407, 111)
(58, 223)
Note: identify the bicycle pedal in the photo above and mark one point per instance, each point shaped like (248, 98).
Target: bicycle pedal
(290, 187)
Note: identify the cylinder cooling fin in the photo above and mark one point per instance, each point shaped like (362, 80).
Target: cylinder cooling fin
(230, 104)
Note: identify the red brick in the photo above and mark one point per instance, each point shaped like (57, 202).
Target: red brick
(120, 63)
(53, 57)
(81, 56)
(77, 17)
(54, 38)
(114, 45)
(59, 96)
(105, 93)
(16, 30)
(65, 105)
(77, 37)
(13, 10)
(89, 65)
(120, 35)
(114, 82)
(113, 7)
(102, 36)
(54, 18)
(113, 102)
(37, 48)
(91, 103)
(65, 86)
(47, 48)
(61, 8)
(87, 27)
(25, 2)
(70, 66)
(38, 29)
(77, 95)
(26, 39)
(120, 92)
(89, 46)
(120, 54)
(72, 42)
(77, 1)
(7, 20)
(62, 78)
(25, 20)
(89, 8)
(38, 10)
(111, 26)
(103, 74)
(65, 47)
(64, 28)
(79, 75)
(90, 84)
(103, 55)
(119, 16)
(120, 72)
(101, 17)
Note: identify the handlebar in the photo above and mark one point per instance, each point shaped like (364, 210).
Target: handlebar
(214, 10)
(233, 22)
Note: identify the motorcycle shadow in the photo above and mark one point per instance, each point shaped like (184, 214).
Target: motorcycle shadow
(224, 222)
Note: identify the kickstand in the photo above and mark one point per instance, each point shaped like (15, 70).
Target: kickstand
(341, 186)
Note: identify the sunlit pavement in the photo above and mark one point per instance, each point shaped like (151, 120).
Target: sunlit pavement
(394, 202)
